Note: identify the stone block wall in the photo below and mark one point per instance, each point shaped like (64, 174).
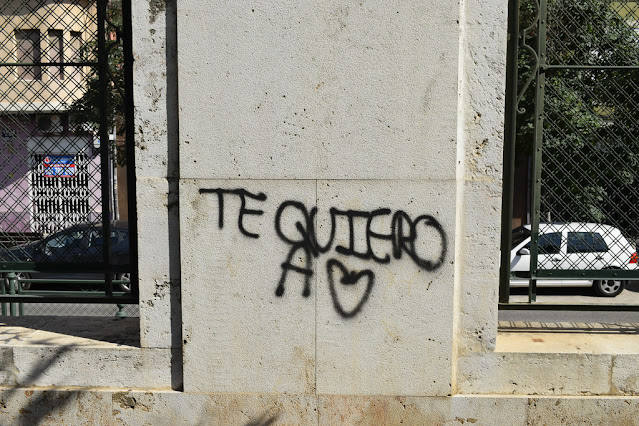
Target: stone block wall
(318, 147)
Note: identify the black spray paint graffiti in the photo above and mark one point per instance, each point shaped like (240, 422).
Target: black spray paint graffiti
(403, 237)
(243, 194)
(349, 279)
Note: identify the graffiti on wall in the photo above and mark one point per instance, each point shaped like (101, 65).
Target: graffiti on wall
(402, 240)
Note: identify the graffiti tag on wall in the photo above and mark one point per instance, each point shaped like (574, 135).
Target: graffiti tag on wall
(402, 239)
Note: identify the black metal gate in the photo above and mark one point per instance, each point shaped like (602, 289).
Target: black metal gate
(67, 184)
(573, 108)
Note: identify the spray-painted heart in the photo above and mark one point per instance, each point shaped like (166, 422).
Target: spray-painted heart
(348, 278)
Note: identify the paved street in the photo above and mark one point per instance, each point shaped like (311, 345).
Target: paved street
(630, 296)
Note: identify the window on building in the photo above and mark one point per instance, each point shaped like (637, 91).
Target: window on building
(75, 54)
(28, 51)
(55, 53)
(52, 124)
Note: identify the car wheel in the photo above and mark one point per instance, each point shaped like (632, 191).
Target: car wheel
(19, 275)
(608, 288)
(125, 277)
(24, 276)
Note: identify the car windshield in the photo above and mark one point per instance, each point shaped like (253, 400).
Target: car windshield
(519, 235)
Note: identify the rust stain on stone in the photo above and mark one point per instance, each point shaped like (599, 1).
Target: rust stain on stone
(398, 410)
(468, 420)
(308, 365)
(127, 401)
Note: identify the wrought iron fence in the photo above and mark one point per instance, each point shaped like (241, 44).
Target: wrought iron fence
(67, 184)
(573, 108)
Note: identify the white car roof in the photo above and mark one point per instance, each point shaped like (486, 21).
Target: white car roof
(575, 227)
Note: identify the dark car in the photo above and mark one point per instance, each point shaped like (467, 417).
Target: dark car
(77, 245)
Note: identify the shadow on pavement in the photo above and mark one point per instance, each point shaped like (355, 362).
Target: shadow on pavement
(121, 331)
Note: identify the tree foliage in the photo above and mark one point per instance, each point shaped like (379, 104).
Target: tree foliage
(591, 116)
(86, 110)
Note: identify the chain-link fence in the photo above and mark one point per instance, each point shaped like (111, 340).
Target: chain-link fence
(65, 165)
(577, 108)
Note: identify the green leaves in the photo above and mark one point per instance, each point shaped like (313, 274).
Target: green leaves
(85, 111)
(591, 116)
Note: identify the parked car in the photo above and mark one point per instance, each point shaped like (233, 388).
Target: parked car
(78, 245)
(573, 246)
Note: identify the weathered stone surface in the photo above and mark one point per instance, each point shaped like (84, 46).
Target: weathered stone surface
(86, 366)
(582, 411)
(136, 408)
(400, 341)
(389, 410)
(382, 410)
(480, 151)
(538, 373)
(72, 407)
(477, 267)
(238, 335)
(156, 147)
(488, 410)
(483, 78)
(159, 290)
(407, 410)
(318, 90)
(23, 406)
(625, 375)
(150, 88)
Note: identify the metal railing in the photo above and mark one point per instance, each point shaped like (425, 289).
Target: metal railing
(572, 108)
(19, 296)
(66, 121)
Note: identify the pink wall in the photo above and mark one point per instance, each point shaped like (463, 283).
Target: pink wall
(15, 193)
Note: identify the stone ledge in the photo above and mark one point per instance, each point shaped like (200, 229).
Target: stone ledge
(118, 367)
(73, 406)
(613, 339)
(549, 374)
(535, 373)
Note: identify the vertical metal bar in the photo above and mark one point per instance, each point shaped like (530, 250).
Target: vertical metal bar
(105, 145)
(120, 313)
(4, 291)
(537, 151)
(129, 118)
(19, 291)
(510, 134)
(11, 276)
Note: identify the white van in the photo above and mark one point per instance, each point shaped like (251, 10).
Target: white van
(573, 246)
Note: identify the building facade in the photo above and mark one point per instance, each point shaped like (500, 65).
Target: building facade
(50, 172)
